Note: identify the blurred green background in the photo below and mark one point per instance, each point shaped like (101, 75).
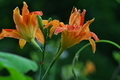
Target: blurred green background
(106, 26)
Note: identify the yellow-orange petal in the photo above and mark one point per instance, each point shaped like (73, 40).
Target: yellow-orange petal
(45, 22)
(22, 43)
(64, 39)
(17, 17)
(57, 27)
(40, 36)
(73, 16)
(32, 20)
(93, 45)
(85, 27)
(53, 23)
(52, 31)
(25, 10)
(10, 33)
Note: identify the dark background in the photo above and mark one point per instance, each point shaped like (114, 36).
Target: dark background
(106, 26)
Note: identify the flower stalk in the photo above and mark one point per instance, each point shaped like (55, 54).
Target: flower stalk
(53, 61)
(79, 51)
(36, 45)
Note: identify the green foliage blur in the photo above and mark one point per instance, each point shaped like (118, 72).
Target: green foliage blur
(106, 26)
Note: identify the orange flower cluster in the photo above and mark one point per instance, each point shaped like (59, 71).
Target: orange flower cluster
(27, 28)
(75, 31)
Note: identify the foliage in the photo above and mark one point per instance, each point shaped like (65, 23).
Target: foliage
(23, 65)
(16, 66)
(106, 26)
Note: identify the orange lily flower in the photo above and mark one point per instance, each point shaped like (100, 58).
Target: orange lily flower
(75, 32)
(26, 26)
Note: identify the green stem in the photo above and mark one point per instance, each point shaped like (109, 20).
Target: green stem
(77, 54)
(41, 62)
(36, 45)
(110, 42)
(40, 23)
(53, 61)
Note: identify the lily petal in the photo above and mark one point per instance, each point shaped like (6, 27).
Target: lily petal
(40, 36)
(10, 33)
(22, 43)
(37, 13)
(93, 45)
(54, 22)
(94, 36)
(85, 27)
(25, 10)
(52, 31)
(58, 30)
(17, 17)
(73, 16)
(82, 17)
(45, 22)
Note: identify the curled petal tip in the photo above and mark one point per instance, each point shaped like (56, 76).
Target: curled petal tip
(74, 9)
(24, 3)
(83, 13)
(94, 36)
(16, 9)
(93, 18)
(93, 45)
(84, 10)
(90, 21)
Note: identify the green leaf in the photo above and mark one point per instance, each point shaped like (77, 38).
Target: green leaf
(5, 78)
(15, 75)
(21, 64)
